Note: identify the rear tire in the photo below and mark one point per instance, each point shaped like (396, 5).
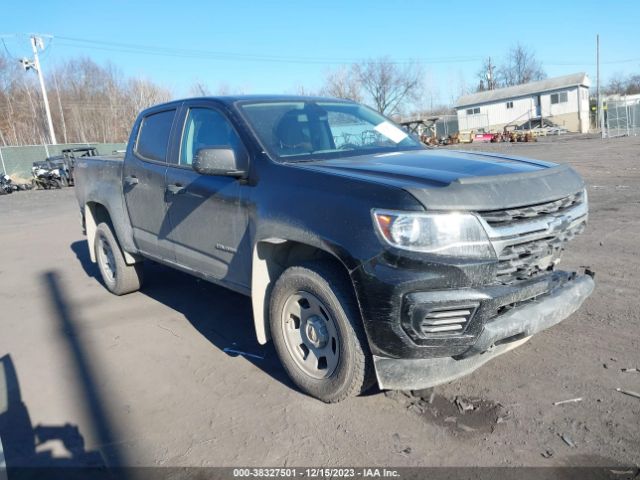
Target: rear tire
(318, 334)
(117, 276)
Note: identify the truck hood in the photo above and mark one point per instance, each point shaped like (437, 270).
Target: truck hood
(460, 180)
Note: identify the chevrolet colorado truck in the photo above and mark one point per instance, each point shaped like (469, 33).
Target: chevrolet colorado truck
(367, 256)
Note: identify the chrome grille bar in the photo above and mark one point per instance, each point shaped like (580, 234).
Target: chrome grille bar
(529, 240)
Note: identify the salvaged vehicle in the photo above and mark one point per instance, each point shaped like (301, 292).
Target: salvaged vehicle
(7, 185)
(45, 178)
(367, 256)
(60, 167)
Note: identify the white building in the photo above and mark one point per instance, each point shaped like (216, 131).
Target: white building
(623, 99)
(562, 100)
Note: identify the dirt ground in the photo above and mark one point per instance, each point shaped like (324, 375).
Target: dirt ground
(144, 379)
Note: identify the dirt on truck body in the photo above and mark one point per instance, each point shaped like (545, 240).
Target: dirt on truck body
(367, 257)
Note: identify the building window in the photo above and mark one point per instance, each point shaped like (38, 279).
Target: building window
(473, 111)
(509, 104)
(559, 98)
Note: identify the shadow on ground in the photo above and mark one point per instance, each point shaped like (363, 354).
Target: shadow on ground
(222, 316)
(25, 445)
(57, 451)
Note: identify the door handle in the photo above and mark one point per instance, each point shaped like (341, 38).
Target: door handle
(175, 188)
(131, 180)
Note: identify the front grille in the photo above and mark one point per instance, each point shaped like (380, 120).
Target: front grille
(524, 260)
(511, 215)
(529, 240)
(443, 321)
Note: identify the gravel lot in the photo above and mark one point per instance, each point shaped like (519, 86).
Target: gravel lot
(146, 381)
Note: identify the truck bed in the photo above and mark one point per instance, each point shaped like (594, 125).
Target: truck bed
(99, 180)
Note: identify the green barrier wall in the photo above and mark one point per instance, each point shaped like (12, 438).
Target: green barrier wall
(18, 161)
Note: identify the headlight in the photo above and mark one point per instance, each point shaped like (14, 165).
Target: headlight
(448, 233)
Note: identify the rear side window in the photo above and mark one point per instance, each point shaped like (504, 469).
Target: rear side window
(153, 138)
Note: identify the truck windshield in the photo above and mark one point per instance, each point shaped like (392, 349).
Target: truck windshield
(293, 131)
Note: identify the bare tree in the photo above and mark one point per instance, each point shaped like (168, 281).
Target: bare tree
(7, 112)
(146, 93)
(300, 89)
(622, 85)
(521, 66)
(386, 86)
(616, 85)
(226, 89)
(199, 89)
(343, 83)
(632, 85)
(94, 103)
(389, 85)
(487, 76)
(60, 109)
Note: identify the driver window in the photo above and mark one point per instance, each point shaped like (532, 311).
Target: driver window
(205, 128)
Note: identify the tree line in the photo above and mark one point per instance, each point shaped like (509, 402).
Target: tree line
(623, 85)
(95, 103)
(88, 103)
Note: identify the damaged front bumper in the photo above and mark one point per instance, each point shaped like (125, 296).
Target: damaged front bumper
(499, 335)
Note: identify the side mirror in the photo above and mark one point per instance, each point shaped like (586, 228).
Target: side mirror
(223, 161)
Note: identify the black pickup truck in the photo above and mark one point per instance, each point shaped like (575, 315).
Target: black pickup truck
(367, 256)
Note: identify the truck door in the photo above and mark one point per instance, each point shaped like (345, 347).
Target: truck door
(208, 218)
(144, 183)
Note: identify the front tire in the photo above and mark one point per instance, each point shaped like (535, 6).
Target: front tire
(318, 334)
(118, 277)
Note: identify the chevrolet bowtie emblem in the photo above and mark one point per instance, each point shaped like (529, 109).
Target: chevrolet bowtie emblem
(558, 223)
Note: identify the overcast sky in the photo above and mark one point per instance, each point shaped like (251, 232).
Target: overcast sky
(276, 46)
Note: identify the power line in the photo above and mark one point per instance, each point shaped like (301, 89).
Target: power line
(7, 49)
(190, 53)
(45, 48)
(163, 51)
(75, 42)
(610, 62)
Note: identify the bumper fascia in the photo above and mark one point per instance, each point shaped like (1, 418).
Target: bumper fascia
(498, 336)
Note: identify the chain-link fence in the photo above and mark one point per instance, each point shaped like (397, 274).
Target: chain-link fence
(447, 125)
(17, 161)
(622, 118)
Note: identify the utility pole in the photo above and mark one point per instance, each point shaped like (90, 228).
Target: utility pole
(599, 115)
(490, 81)
(36, 42)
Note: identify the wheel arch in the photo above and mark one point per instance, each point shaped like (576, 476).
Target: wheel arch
(94, 214)
(270, 258)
